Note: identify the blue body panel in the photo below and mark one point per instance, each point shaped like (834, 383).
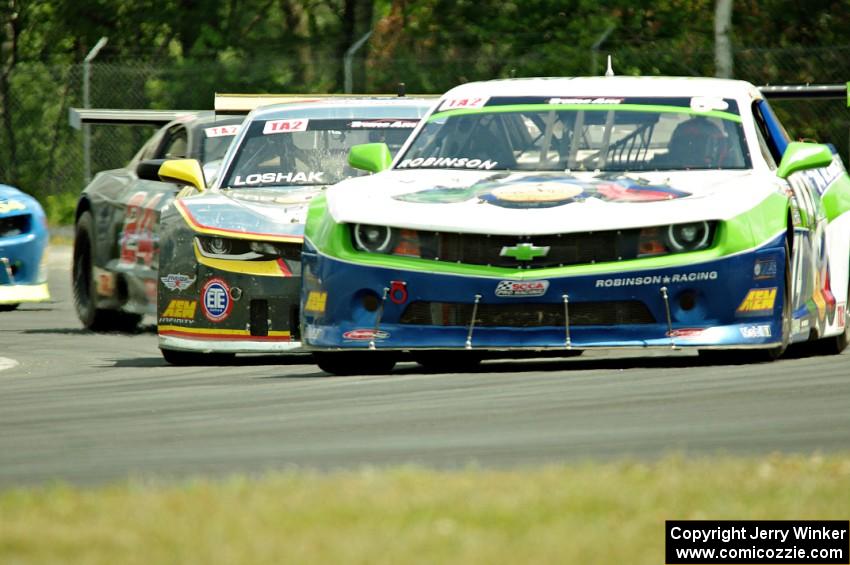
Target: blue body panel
(716, 318)
(23, 238)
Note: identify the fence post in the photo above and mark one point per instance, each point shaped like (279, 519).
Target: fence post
(346, 62)
(86, 104)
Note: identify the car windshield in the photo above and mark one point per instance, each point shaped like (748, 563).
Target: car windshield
(287, 152)
(216, 141)
(593, 134)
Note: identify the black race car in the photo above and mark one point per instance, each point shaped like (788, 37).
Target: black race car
(116, 242)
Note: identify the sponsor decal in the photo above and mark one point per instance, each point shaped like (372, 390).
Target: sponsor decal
(457, 103)
(180, 309)
(105, 282)
(695, 276)
(284, 126)
(316, 301)
(215, 300)
(150, 290)
(708, 104)
(524, 251)
(398, 292)
(383, 124)
(755, 332)
(764, 269)
(7, 206)
(312, 333)
(531, 190)
(585, 101)
(685, 333)
(447, 163)
(221, 131)
(311, 177)
(177, 282)
(842, 315)
(521, 288)
(758, 301)
(823, 177)
(365, 335)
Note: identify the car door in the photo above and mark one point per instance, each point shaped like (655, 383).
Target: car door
(138, 240)
(813, 303)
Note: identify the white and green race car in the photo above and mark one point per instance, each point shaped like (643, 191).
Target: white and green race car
(565, 214)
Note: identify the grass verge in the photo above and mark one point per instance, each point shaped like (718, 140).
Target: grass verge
(584, 513)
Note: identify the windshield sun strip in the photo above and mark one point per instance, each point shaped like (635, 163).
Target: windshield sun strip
(599, 107)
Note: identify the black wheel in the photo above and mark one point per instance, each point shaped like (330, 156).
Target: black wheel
(194, 358)
(448, 361)
(355, 362)
(83, 285)
(8, 307)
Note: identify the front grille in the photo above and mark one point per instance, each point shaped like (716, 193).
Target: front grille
(528, 315)
(564, 249)
(259, 318)
(14, 225)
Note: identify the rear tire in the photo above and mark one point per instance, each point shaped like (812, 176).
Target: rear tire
(355, 362)
(8, 307)
(83, 284)
(196, 359)
(448, 361)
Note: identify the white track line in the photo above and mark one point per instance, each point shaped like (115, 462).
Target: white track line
(6, 363)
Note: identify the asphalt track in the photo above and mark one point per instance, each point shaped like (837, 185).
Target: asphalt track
(88, 408)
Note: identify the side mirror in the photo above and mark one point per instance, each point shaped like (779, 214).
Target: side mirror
(373, 157)
(149, 169)
(183, 171)
(800, 156)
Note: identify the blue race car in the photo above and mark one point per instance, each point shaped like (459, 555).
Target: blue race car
(23, 249)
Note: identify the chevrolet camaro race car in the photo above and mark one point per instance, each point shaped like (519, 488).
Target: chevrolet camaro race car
(565, 214)
(116, 243)
(230, 261)
(23, 249)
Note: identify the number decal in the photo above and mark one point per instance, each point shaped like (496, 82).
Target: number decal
(138, 241)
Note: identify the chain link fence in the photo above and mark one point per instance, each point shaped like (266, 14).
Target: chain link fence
(43, 155)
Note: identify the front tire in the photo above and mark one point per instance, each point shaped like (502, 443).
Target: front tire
(346, 363)
(8, 307)
(196, 359)
(83, 285)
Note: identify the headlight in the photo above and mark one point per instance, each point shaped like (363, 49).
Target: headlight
(220, 246)
(689, 237)
(677, 238)
(246, 250)
(375, 239)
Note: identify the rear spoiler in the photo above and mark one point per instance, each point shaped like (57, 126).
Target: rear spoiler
(808, 91)
(244, 103)
(79, 116)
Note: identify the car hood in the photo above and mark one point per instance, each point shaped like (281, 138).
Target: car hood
(529, 203)
(13, 201)
(251, 212)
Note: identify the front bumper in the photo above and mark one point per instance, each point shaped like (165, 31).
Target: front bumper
(727, 302)
(228, 312)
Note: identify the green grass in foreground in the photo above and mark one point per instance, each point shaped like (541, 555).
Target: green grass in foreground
(586, 513)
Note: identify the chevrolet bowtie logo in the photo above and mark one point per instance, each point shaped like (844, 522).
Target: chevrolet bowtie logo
(524, 251)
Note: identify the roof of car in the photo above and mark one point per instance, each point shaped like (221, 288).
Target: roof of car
(388, 106)
(609, 86)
